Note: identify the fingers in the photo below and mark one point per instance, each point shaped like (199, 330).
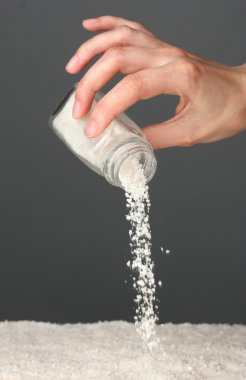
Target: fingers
(111, 22)
(122, 36)
(126, 60)
(141, 85)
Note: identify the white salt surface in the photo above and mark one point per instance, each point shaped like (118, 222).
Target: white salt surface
(112, 350)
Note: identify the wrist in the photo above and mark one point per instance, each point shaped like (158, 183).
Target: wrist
(240, 72)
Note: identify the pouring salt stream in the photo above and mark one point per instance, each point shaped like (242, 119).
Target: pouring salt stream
(142, 267)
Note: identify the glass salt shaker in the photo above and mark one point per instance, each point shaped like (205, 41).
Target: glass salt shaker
(105, 153)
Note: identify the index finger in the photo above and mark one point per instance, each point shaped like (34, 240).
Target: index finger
(142, 85)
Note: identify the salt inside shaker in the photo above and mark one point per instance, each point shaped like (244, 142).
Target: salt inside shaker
(105, 153)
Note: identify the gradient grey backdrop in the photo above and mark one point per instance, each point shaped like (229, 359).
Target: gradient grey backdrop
(63, 234)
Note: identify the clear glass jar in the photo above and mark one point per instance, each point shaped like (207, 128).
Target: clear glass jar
(106, 153)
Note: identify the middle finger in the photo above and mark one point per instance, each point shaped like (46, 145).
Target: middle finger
(126, 60)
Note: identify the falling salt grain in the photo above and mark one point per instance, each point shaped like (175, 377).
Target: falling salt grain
(138, 204)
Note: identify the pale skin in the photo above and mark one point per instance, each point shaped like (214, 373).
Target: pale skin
(212, 103)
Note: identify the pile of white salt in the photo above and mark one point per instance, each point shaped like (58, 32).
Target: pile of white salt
(142, 267)
(112, 351)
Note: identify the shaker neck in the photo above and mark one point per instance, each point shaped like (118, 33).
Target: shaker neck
(143, 152)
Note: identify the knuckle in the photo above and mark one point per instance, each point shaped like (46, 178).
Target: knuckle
(85, 88)
(137, 25)
(178, 52)
(115, 53)
(190, 139)
(126, 31)
(191, 72)
(85, 48)
(89, 47)
(172, 51)
(100, 111)
(133, 82)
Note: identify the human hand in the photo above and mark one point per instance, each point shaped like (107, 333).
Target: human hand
(212, 102)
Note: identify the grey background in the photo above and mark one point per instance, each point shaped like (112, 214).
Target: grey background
(63, 233)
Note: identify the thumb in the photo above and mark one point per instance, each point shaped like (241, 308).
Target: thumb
(168, 134)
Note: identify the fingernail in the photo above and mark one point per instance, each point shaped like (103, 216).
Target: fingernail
(73, 61)
(76, 109)
(91, 128)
